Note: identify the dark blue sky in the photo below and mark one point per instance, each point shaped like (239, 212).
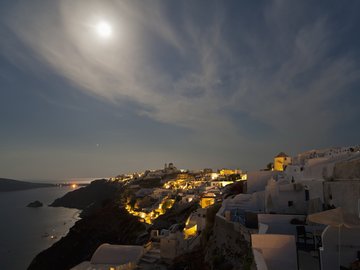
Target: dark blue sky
(198, 83)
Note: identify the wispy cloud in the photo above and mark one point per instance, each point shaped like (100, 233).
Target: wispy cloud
(284, 74)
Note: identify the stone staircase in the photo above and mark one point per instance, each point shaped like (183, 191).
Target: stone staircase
(153, 254)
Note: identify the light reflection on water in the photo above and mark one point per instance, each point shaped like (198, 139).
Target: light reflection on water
(24, 231)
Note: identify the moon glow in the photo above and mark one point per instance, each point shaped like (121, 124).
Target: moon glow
(103, 29)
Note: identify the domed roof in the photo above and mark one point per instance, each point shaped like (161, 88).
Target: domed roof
(282, 154)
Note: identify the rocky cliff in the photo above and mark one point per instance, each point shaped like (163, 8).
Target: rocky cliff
(110, 224)
(88, 198)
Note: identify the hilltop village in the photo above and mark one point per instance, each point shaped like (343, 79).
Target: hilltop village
(286, 216)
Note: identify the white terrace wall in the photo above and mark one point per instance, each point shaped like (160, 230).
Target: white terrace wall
(285, 198)
(345, 194)
(279, 251)
(279, 224)
(349, 245)
(256, 181)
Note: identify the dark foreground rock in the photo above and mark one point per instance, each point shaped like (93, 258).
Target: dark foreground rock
(111, 224)
(191, 261)
(35, 204)
(14, 185)
(89, 198)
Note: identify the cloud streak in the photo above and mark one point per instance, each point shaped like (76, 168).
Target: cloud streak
(280, 70)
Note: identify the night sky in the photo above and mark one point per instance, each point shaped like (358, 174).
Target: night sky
(198, 83)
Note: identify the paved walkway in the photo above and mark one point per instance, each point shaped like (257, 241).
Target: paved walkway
(307, 261)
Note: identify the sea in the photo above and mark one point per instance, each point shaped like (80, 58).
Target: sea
(25, 231)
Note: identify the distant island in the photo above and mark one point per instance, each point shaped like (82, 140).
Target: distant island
(35, 204)
(14, 185)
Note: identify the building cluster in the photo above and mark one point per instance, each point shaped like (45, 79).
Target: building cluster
(202, 186)
(150, 209)
(300, 207)
(302, 212)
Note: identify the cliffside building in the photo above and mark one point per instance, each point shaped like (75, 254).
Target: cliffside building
(281, 161)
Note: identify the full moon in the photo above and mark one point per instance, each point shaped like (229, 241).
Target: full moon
(103, 29)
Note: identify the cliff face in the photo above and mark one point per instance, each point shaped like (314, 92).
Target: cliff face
(106, 221)
(110, 224)
(88, 198)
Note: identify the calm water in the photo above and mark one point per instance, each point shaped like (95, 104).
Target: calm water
(23, 230)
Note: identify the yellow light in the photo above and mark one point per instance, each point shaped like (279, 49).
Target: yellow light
(74, 186)
(205, 202)
(190, 231)
(225, 183)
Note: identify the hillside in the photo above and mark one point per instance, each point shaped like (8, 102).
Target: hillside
(14, 185)
(112, 224)
(88, 198)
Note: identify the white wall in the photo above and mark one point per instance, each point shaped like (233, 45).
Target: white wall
(293, 171)
(172, 245)
(198, 218)
(247, 202)
(350, 244)
(279, 224)
(316, 188)
(279, 251)
(345, 194)
(256, 181)
(278, 195)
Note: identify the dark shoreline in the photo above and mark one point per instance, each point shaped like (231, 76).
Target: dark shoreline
(103, 220)
(8, 185)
